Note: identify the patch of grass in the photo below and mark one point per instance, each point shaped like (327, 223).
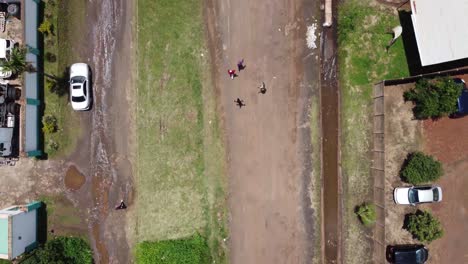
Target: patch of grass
(363, 61)
(193, 250)
(66, 16)
(180, 170)
(63, 217)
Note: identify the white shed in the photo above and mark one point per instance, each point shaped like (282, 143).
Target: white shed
(18, 230)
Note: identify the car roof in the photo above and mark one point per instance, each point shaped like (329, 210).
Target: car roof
(425, 195)
(77, 92)
(415, 255)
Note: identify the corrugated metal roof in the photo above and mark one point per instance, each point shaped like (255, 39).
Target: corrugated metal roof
(441, 30)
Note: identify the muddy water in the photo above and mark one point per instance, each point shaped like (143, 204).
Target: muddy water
(74, 179)
(330, 149)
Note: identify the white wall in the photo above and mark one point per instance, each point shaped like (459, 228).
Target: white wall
(24, 225)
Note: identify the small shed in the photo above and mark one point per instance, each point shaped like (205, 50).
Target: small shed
(18, 230)
(440, 30)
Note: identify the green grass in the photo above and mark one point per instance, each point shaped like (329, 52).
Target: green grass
(63, 217)
(180, 171)
(64, 15)
(192, 250)
(363, 61)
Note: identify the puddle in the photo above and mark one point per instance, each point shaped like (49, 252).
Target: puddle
(74, 179)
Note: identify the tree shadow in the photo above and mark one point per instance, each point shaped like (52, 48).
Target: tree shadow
(58, 85)
(42, 223)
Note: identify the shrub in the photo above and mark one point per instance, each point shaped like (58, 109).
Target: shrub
(45, 27)
(53, 145)
(49, 123)
(366, 213)
(70, 250)
(420, 168)
(435, 98)
(193, 250)
(423, 226)
(50, 57)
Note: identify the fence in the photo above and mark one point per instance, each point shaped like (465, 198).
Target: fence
(378, 173)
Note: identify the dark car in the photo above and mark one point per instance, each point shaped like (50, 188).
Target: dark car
(462, 101)
(407, 254)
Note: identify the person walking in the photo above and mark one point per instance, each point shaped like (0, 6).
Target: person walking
(263, 89)
(239, 102)
(240, 65)
(232, 74)
(121, 206)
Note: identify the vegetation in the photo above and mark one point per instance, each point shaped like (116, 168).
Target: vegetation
(49, 124)
(423, 226)
(45, 27)
(366, 213)
(58, 55)
(434, 98)
(69, 250)
(17, 62)
(421, 168)
(180, 155)
(363, 61)
(193, 250)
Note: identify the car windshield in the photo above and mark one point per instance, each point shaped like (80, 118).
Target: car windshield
(435, 193)
(413, 196)
(78, 99)
(78, 79)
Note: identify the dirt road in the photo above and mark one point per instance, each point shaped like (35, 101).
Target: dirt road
(105, 152)
(268, 140)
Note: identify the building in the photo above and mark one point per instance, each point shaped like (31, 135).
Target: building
(440, 30)
(18, 229)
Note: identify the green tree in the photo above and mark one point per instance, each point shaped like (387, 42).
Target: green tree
(66, 250)
(423, 226)
(421, 168)
(17, 62)
(366, 213)
(434, 98)
(49, 124)
(45, 27)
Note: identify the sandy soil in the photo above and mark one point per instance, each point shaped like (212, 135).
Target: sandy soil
(270, 220)
(445, 140)
(441, 139)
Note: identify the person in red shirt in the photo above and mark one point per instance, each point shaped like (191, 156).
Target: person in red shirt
(232, 74)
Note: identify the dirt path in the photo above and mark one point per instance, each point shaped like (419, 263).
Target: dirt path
(268, 140)
(105, 152)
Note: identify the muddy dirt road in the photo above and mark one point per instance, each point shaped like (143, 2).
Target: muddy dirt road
(105, 151)
(268, 140)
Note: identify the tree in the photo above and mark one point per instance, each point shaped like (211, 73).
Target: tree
(434, 98)
(66, 250)
(49, 124)
(45, 27)
(421, 168)
(366, 213)
(17, 62)
(423, 226)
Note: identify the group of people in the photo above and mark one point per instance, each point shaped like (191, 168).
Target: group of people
(232, 74)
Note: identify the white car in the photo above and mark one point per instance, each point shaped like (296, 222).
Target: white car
(80, 90)
(417, 194)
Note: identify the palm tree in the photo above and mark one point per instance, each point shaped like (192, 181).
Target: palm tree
(17, 62)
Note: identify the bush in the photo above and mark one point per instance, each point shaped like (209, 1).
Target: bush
(70, 250)
(50, 57)
(366, 213)
(423, 226)
(434, 98)
(420, 168)
(45, 27)
(49, 124)
(193, 250)
(53, 145)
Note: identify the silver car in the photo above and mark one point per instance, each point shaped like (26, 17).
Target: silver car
(417, 194)
(80, 90)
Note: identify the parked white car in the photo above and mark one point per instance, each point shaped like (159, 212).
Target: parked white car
(80, 90)
(417, 194)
